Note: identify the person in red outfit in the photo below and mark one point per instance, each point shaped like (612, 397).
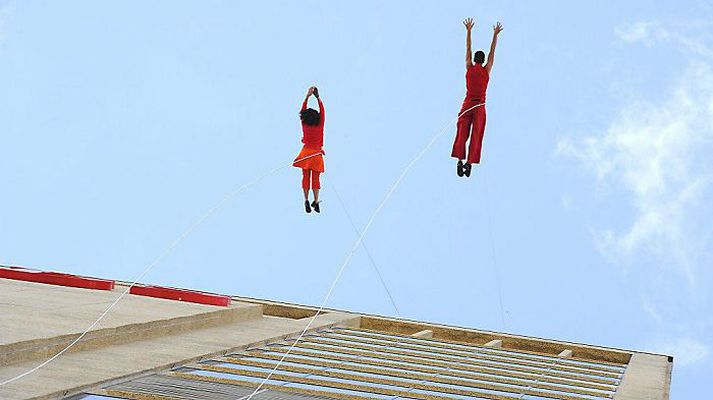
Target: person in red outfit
(471, 120)
(311, 158)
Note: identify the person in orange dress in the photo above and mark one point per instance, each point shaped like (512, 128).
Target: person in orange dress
(311, 158)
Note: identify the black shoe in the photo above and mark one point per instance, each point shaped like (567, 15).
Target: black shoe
(466, 169)
(460, 168)
(315, 205)
(308, 209)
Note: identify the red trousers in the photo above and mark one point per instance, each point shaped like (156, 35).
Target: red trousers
(314, 179)
(474, 119)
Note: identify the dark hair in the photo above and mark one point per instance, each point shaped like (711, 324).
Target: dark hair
(310, 117)
(479, 57)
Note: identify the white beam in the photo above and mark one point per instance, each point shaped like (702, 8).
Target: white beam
(494, 343)
(565, 354)
(427, 334)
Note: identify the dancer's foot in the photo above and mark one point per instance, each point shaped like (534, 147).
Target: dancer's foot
(459, 169)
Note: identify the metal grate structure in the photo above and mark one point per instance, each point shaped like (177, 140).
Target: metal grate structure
(348, 363)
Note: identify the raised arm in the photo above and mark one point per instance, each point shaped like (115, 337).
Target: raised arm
(497, 28)
(310, 91)
(469, 24)
(321, 107)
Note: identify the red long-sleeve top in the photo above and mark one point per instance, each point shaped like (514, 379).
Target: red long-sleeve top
(313, 135)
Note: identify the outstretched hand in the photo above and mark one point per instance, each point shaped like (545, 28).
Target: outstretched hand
(310, 91)
(469, 23)
(497, 28)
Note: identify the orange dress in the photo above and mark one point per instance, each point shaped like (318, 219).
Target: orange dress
(304, 161)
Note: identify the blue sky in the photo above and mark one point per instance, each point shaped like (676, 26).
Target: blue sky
(122, 122)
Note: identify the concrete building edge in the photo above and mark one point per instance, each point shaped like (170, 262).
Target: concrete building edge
(353, 322)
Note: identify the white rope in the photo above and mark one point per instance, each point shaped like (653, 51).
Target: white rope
(209, 213)
(160, 258)
(495, 259)
(355, 247)
(363, 245)
(539, 378)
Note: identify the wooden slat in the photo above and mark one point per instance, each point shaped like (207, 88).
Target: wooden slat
(434, 344)
(445, 375)
(458, 360)
(485, 375)
(272, 386)
(123, 394)
(171, 386)
(435, 376)
(419, 365)
(349, 386)
(449, 344)
(476, 354)
(423, 360)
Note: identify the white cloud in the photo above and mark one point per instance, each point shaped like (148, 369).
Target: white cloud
(658, 153)
(651, 33)
(650, 309)
(647, 32)
(686, 351)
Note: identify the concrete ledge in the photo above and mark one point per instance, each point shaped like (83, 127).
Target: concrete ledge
(78, 372)
(647, 377)
(283, 310)
(47, 347)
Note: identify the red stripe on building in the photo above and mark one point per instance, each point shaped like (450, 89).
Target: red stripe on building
(55, 278)
(181, 295)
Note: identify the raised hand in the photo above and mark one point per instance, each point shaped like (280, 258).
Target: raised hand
(497, 28)
(469, 24)
(310, 91)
